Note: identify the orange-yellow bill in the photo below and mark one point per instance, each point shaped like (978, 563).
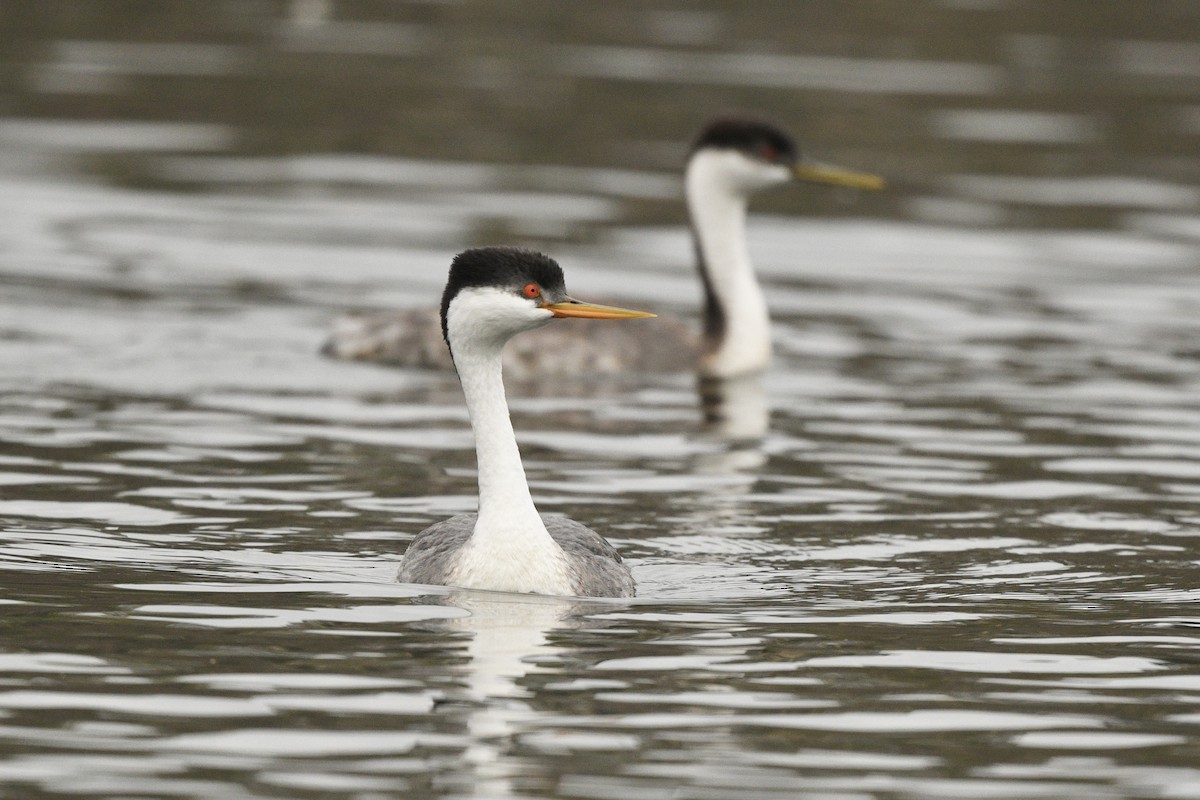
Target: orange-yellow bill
(825, 173)
(574, 308)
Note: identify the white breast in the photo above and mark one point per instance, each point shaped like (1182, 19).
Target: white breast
(508, 556)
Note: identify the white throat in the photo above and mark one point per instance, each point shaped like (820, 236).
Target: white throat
(510, 549)
(737, 325)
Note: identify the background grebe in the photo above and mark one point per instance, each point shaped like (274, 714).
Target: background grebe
(730, 161)
(493, 294)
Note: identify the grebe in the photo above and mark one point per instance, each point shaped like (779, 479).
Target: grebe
(493, 294)
(731, 160)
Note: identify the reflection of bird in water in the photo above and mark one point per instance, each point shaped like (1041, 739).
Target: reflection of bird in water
(730, 161)
(508, 633)
(492, 295)
(735, 409)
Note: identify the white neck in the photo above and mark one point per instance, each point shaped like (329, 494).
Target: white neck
(510, 549)
(736, 318)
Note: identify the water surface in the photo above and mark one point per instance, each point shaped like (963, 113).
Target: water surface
(960, 562)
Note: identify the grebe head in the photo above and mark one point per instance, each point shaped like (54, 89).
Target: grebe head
(494, 293)
(745, 155)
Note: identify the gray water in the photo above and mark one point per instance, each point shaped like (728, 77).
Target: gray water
(960, 563)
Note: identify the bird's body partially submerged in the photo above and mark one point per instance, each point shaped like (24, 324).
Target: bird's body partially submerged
(730, 161)
(493, 294)
(587, 566)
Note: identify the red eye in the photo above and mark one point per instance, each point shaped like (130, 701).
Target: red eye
(768, 153)
(532, 290)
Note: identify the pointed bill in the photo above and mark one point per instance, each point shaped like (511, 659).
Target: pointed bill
(573, 308)
(815, 172)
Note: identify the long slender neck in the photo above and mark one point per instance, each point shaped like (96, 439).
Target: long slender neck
(503, 488)
(736, 322)
(509, 549)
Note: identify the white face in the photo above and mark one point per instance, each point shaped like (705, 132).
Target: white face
(489, 317)
(736, 172)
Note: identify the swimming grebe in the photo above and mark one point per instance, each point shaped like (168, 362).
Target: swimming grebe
(730, 161)
(493, 294)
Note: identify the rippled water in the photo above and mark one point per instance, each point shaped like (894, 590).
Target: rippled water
(961, 562)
